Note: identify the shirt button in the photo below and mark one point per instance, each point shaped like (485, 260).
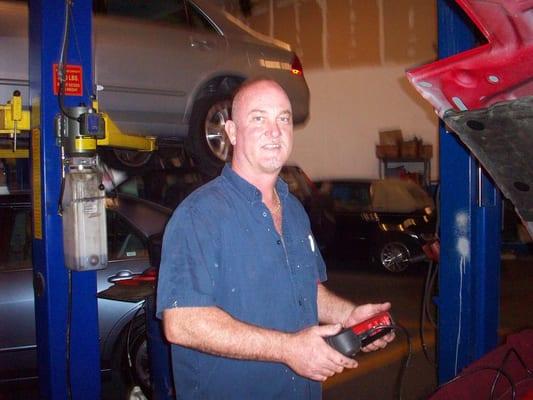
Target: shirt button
(264, 214)
(278, 241)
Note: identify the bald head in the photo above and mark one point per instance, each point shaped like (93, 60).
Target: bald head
(249, 89)
(260, 129)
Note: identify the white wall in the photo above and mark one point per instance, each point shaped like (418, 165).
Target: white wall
(348, 109)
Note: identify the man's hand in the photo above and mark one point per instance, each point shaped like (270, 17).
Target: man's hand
(364, 312)
(307, 353)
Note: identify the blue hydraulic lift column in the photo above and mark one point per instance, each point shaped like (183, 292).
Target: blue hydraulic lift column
(56, 380)
(470, 215)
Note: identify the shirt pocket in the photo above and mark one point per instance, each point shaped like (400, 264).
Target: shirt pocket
(306, 257)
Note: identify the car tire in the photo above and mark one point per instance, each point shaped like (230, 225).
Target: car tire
(207, 140)
(132, 161)
(392, 255)
(131, 369)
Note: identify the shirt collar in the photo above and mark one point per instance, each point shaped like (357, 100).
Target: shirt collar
(249, 191)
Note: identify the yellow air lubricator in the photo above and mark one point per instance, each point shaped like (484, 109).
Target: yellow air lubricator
(13, 118)
(13, 121)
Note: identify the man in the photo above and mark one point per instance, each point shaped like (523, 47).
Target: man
(240, 289)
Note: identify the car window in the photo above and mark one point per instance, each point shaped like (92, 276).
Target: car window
(133, 186)
(15, 240)
(420, 196)
(176, 189)
(167, 188)
(122, 241)
(348, 196)
(199, 21)
(395, 195)
(174, 12)
(143, 187)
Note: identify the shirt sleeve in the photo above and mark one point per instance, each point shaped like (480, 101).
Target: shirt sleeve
(189, 249)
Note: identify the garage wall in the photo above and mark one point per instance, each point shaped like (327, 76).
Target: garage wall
(354, 54)
(348, 109)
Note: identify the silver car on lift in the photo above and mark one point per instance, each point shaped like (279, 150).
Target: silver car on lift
(165, 68)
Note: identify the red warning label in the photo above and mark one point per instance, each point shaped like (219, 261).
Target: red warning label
(73, 80)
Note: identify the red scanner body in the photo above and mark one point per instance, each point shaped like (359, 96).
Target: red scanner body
(350, 340)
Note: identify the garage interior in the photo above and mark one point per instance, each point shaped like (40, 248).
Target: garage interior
(355, 57)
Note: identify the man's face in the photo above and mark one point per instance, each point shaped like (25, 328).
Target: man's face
(262, 130)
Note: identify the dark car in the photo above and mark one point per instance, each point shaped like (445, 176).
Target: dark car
(169, 187)
(131, 226)
(385, 221)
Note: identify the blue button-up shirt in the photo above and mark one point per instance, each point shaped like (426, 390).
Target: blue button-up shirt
(221, 249)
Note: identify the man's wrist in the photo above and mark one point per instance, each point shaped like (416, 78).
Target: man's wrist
(281, 347)
(348, 313)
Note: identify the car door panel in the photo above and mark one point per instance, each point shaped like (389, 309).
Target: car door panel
(148, 69)
(17, 330)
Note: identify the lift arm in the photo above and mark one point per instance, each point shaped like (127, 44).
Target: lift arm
(15, 121)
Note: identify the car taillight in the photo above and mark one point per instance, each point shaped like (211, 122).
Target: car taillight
(296, 66)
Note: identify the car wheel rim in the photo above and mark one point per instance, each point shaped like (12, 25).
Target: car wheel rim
(215, 130)
(132, 158)
(395, 257)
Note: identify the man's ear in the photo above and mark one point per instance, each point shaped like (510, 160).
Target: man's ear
(231, 131)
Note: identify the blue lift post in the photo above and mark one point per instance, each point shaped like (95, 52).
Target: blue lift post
(46, 23)
(470, 215)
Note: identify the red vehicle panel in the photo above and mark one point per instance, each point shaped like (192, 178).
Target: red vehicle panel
(501, 69)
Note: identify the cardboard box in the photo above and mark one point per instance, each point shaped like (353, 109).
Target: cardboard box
(409, 149)
(390, 138)
(387, 151)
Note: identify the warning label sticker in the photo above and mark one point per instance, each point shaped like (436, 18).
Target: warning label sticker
(73, 80)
